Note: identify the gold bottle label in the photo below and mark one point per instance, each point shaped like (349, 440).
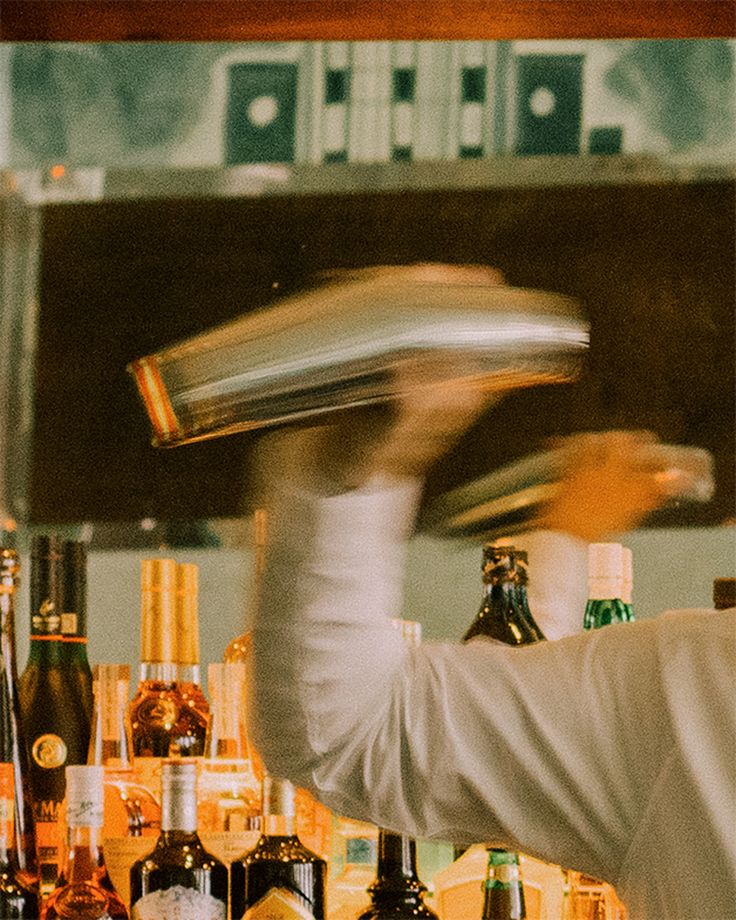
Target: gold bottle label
(278, 904)
(49, 751)
(120, 854)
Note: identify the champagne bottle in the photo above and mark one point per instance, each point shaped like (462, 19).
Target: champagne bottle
(55, 690)
(605, 586)
(84, 889)
(17, 902)
(163, 723)
(12, 739)
(503, 895)
(179, 878)
(279, 877)
(504, 613)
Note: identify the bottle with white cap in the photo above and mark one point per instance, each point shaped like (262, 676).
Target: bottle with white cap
(179, 878)
(84, 888)
(605, 586)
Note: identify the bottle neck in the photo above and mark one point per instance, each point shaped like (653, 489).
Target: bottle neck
(7, 630)
(160, 672)
(278, 825)
(188, 674)
(58, 650)
(178, 810)
(396, 874)
(84, 854)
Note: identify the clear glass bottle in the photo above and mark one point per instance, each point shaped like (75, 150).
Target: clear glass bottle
(84, 890)
(179, 878)
(279, 876)
(503, 897)
(13, 748)
(55, 690)
(163, 723)
(230, 793)
(605, 586)
(17, 902)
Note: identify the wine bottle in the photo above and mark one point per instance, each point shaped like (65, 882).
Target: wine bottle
(163, 724)
(279, 877)
(230, 793)
(17, 902)
(397, 893)
(179, 878)
(504, 613)
(84, 889)
(54, 691)
(503, 892)
(12, 739)
(605, 586)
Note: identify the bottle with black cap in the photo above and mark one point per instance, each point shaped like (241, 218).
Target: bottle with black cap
(55, 689)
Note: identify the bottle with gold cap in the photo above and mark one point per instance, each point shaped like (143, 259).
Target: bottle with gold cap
(168, 716)
(187, 660)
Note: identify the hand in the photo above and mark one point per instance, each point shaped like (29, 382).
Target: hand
(611, 480)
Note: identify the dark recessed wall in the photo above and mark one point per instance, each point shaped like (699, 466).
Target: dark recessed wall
(653, 264)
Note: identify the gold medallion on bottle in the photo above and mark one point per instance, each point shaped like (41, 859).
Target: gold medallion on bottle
(49, 751)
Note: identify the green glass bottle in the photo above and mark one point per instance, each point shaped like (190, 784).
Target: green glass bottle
(503, 892)
(605, 587)
(504, 613)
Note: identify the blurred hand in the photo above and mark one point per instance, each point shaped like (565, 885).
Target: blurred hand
(611, 480)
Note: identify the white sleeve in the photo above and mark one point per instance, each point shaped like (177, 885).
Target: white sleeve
(549, 748)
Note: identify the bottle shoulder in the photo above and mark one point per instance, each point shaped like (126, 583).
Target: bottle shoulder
(85, 899)
(287, 848)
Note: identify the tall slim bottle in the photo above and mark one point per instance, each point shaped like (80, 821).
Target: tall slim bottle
(55, 690)
(84, 890)
(13, 748)
(179, 878)
(279, 877)
(188, 678)
(17, 902)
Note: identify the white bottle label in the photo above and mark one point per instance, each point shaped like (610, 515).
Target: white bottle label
(178, 903)
(278, 904)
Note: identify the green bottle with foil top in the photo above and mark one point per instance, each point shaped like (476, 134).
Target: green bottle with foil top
(503, 891)
(606, 562)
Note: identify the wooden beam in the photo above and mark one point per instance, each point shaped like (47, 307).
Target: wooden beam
(288, 20)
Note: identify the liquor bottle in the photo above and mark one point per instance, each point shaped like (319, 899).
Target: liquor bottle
(230, 793)
(192, 699)
(504, 613)
(16, 900)
(55, 690)
(605, 586)
(163, 723)
(132, 814)
(397, 892)
(179, 878)
(130, 809)
(12, 739)
(279, 877)
(504, 895)
(84, 889)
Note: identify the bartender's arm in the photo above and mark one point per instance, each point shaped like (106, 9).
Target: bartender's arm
(556, 749)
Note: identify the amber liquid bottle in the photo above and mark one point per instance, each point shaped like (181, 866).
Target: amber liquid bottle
(179, 878)
(55, 690)
(17, 902)
(279, 877)
(84, 890)
(503, 892)
(13, 749)
(166, 720)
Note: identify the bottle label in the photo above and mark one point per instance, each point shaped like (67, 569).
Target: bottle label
(69, 624)
(229, 845)
(49, 751)
(278, 904)
(46, 620)
(178, 903)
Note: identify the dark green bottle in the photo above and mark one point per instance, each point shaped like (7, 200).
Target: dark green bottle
(503, 897)
(504, 613)
(605, 587)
